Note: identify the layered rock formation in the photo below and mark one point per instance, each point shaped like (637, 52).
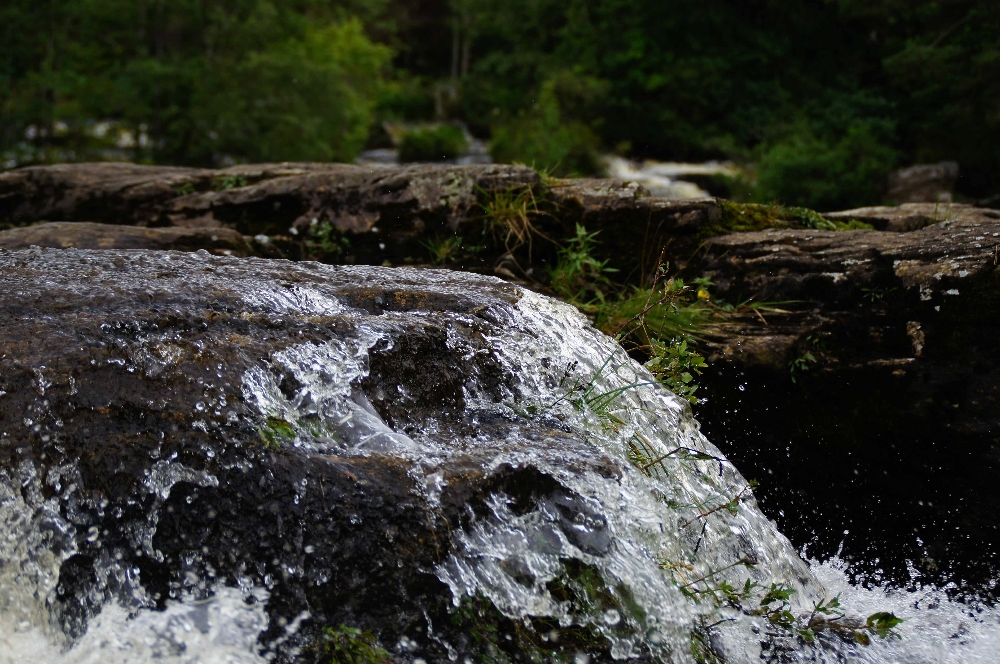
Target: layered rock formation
(368, 215)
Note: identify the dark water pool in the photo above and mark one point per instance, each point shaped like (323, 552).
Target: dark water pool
(843, 466)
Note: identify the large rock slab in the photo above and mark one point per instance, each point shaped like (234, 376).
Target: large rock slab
(857, 276)
(419, 453)
(254, 199)
(351, 214)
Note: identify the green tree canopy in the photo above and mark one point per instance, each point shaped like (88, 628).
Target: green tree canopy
(201, 81)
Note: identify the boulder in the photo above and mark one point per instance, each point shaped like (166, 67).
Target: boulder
(855, 277)
(923, 183)
(451, 464)
(88, 235)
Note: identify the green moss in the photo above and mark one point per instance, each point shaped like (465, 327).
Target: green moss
(852, 225)
(276, 432)
(349, 645)
(748, 217)
(496, 639)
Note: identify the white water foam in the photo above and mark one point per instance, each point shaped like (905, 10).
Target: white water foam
(223, 629)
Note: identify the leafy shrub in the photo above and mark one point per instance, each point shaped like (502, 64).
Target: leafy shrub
(432, 144)
(308, 98)
(546, 137)
(822, 173)
(675, 365)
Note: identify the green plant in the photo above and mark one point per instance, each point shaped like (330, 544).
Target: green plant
(224, 182)
(812, 349)
(829, 172)
(578, 277)
(349, 645)
(876, 294)
(185, 189)
(801, 363)
(662, 311)
(585, 396)
(675, 365)
(443, 250)
(438, 143)
(507, 214)
(546, 135)
(325, 243)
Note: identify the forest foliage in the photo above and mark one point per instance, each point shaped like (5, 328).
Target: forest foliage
(822, 97)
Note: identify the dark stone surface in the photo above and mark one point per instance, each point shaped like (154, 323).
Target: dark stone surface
(253, 199)
(912, 216)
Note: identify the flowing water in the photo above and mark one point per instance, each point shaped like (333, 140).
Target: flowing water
(647, 507)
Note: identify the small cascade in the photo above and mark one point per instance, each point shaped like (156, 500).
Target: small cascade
(292, 444)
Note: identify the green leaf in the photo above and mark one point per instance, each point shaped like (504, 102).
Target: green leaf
(883, 623)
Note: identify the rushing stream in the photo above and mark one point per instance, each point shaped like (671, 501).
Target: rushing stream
(563, 489)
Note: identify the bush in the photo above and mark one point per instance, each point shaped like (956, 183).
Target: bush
(826, 174)
(432, 144)
(308, 98)
(546, 139)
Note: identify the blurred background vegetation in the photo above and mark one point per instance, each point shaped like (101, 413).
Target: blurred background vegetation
(819, 98)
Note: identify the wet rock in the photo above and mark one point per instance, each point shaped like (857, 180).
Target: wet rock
(88, 235)
(381, 448)
(859, 274)
(923, 183)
